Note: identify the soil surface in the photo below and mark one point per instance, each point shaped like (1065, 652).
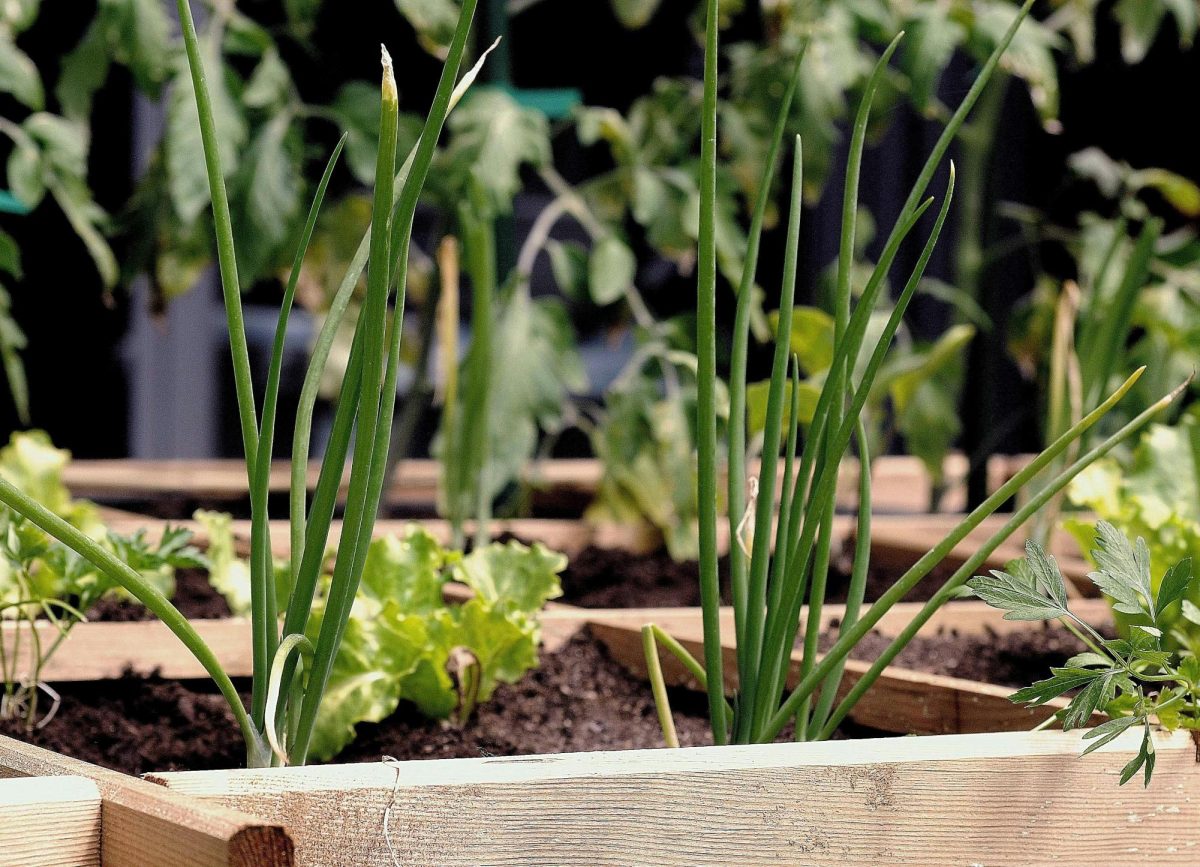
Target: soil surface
(1014, 659)
(578, 699)
(194, 597)
(614, 578)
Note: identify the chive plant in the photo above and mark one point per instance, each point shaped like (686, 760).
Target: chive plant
(785, 562)
(278, 724)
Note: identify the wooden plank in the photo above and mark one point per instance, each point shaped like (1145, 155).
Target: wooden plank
(901, 483)
(566, 535)
(900, 700)
(899, 541)
(98, 651)
(50, 822)
(947, 801)
(146, 824)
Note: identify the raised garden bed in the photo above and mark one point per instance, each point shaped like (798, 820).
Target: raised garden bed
(504, 801)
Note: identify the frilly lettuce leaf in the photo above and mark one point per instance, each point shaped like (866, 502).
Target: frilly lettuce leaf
(403, 641)
(32, 464)
(229, 575)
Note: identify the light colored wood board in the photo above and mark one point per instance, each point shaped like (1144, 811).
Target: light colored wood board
(144, 824)
(49, 822)
(901, 483)
(964, 617)
(901, 700)
(565, 535)
(1020, 799)
(897, 542)
(98, 651)
(415, 481)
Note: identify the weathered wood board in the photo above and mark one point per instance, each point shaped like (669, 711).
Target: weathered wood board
(1021, 798)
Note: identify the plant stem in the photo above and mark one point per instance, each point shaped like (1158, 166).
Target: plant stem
(662, 701)
(226, 256)
(706, 408)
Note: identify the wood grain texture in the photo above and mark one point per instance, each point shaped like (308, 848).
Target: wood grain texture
(900, 700)
(98, 651)
(567, 536)
(898, 541)
(1014, 799)
(144, 824)
(901, 483)
(49, 822)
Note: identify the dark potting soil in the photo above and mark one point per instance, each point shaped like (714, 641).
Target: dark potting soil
(614, 578)
(1013, 659)
(194, 597)
(578, 699)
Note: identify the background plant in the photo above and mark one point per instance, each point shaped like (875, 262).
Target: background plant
(1134, 678)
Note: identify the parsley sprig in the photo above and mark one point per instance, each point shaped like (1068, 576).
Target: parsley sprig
(1134, 679)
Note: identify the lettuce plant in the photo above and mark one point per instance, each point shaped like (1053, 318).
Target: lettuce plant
(403, 640)
(1133, 679)
(783, 559)
(291, 672)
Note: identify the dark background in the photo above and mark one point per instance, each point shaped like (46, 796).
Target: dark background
(79, 384)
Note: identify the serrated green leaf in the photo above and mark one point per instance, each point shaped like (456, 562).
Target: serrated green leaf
(1062, 680)
(406, 570)
(1109, 731)
(84, 71)
(1144, 758)
(1046, 575)
(267, 201)
(512, 577)
(1174, 585)
(139, 35)
(1124, 570)
(1016, 598)
(1088, 660)
(227, 573)
(271, 83)
(1094, 696)
(492, 138)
